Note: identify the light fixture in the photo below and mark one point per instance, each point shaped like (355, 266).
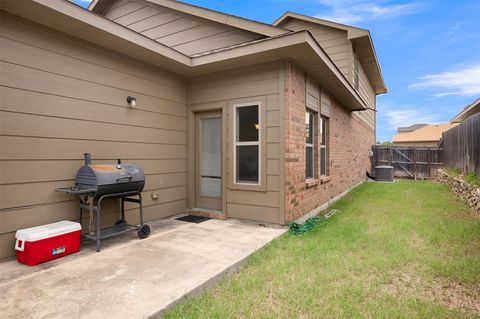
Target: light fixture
(257, 126)
(132, 101)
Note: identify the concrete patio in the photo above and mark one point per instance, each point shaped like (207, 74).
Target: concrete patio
(131, 278)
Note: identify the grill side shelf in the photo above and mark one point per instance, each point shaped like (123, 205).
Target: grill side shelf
(76, 191)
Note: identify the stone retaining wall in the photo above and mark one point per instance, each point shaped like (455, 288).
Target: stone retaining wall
(470, 194)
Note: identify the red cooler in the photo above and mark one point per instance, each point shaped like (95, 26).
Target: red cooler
(43, 243)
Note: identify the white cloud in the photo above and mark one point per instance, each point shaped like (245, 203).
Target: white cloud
(462, 82)
(408, 116)
(351, 11)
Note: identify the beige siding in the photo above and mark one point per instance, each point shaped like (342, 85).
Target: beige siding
(366, 92)
(252, 84)
(312, 94)
(339, 48)
(333, 41)
(182, 32)
(62, 97)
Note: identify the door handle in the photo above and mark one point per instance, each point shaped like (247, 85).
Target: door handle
(209, 176)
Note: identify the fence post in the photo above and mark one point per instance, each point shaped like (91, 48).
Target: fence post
(429, 159)
(414, 163)
(390, 156)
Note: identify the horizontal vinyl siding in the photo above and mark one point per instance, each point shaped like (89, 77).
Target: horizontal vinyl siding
(62, 97)
(335, 42)
(368, 95)
(180, 31)
(339, 48)
(252, 83)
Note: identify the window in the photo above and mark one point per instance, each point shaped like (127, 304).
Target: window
(323, 146)
(309, 157)
(247, 149)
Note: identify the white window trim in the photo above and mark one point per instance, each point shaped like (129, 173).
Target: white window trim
(312, 146)
(235, 143)
(324, 146)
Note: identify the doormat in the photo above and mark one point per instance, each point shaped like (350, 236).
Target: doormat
(193, 219)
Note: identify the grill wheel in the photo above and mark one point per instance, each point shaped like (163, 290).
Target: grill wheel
(144, 231)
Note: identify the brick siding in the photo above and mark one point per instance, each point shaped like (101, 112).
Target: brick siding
(349, 143)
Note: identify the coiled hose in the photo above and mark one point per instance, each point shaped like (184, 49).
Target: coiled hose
(296, 229)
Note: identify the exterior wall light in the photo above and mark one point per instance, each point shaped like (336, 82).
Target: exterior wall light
(132, 101)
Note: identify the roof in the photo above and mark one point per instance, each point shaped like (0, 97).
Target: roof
(410, 128)
(99, 6)
(361, 39)
(468, 111)
(427, 133)
(301, 47)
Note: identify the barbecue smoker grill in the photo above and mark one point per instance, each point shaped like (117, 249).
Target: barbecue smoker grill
(94, 183)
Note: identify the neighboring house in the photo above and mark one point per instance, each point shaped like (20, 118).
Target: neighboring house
(467, 112)
(234, 118)
(410, 128)
(421, 135)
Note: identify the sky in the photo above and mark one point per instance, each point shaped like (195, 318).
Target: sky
(429, 50)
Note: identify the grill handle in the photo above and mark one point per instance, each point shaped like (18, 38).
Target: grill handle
(118, 179)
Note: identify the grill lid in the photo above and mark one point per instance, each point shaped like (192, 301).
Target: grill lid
(95, 175)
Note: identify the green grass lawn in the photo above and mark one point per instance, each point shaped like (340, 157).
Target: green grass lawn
(402, 250)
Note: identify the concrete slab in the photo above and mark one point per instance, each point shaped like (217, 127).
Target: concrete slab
(130, 278)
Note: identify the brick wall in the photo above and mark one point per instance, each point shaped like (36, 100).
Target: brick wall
(349, 143)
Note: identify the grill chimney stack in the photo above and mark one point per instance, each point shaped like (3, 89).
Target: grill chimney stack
(88, 158)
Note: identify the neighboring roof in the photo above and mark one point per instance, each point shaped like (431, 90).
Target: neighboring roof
(300, 46)
(410, 128)
(99, 6)
(428, 133)
(468, 111)
(361, 39)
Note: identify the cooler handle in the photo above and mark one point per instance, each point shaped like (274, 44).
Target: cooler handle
(20, 247)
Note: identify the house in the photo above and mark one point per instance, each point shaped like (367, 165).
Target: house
(421, 135)
(233, 119)
(467, 112)
(429, 135)
(410, 128)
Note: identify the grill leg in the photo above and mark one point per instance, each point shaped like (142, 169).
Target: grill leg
(141, 208)
(80, 215)
(123, 210)
(99, 208)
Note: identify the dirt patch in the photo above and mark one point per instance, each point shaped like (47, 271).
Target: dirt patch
(450, 294)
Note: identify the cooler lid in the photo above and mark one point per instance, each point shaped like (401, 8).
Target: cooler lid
(47, 231)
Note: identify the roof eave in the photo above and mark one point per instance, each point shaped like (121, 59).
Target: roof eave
(462, 115)
(69, 18)
(378, 83)
(353, 33)
(212, 15)
(299, 46)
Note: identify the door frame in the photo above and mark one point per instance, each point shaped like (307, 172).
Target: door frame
(191, 153)
(207, 201)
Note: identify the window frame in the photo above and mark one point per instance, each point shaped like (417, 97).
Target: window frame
(258, 143)
(310, 145)
(323, 125)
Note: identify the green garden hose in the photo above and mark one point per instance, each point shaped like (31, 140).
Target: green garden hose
(296, 229)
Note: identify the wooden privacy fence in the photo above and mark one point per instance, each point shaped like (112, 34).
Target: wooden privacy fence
(408, 162)
(461, 146)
